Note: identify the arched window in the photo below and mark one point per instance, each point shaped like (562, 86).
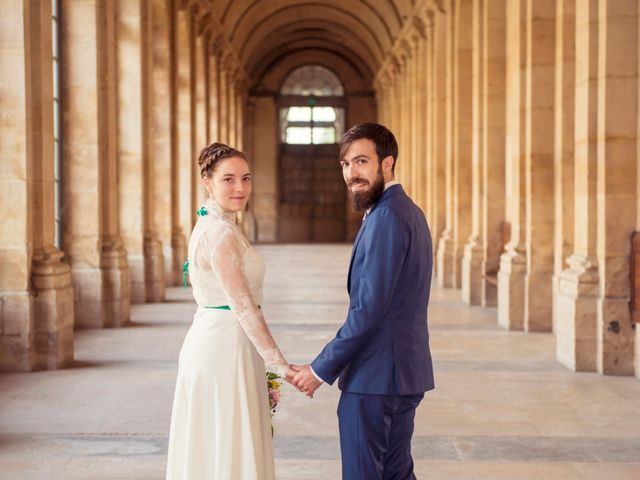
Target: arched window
(311, 116)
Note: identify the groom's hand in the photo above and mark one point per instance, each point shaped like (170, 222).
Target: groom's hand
(306, 381)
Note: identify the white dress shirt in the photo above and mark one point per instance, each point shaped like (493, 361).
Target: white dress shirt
(386, 185)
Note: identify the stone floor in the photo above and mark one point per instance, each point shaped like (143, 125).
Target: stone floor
(503, 407)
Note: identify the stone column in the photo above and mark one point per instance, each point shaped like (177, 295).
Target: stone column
(564, 137)
(578, 285)
(154, 269)
(472, 274)
(114, 264)
(16, 301)
(214, 94)
(264, 199)
(445, 261)
(186, 155)
(511, 276)
(161, 133)
(177, 95)
(403, 166)
(617, 181)
(36, 302)
(223, 128)
(416, 131)
(493, 145)
(98, 261)
(240, 119)
(232, 110)
(200, 125)
(539, 165)
(441, 87)
(134, 162)
(462, 133)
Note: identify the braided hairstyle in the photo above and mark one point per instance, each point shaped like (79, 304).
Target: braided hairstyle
(214, 154)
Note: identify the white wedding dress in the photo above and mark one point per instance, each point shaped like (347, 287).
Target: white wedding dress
(221, 422)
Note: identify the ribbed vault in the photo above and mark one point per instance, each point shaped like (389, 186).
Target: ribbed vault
(358, 33)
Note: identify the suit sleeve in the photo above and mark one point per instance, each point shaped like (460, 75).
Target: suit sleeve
(385, 242)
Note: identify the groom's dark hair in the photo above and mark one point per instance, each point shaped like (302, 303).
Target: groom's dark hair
(381, 136)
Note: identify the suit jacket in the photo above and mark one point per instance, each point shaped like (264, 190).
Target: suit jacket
(383, 346)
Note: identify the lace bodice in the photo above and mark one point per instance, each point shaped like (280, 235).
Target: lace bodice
(225, 269)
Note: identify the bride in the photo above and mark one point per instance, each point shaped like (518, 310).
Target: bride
(221, 422)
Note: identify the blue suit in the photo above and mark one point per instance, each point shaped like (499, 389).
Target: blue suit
(381, 353)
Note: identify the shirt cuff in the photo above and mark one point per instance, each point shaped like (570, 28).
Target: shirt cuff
(315, 374)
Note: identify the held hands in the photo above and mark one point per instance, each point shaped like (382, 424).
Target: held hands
(304, 379)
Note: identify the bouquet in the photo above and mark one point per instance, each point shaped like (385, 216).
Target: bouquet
(273, 385)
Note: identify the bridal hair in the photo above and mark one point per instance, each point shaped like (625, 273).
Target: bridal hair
(214, 154)
(381, 136)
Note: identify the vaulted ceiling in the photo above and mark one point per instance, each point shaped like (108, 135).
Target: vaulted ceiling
(360, 32)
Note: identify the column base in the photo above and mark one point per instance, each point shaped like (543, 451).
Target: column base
(179, 255)
(16, 315)
(153, 270)
(538, 310)
(615, 337)
(116, 282)
(89, 296)
(53, 311)
(472, 274)
(511, 280)
(445, 261)
(637, 355)
(576, 315)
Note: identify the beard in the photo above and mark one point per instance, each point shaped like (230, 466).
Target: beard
(364, 199)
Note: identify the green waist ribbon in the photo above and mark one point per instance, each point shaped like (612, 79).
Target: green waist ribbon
(224, 307)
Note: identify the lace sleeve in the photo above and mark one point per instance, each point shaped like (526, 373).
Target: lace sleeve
(226, 261)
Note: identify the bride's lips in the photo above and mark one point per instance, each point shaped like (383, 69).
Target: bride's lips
(238, 199)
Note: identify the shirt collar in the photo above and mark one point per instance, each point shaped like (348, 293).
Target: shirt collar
(386, 186)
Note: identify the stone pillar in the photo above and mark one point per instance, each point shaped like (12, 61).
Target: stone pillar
(114, 264)
(177, 95)
(16, 301)
(445, 261)
(539, 180)
(472, 274)
(578, 285)
(200, 125)
(264, 200)
(223, 128)
(99, 272)
(462, 133)
(214, 94)
(617, 181)
(240, 122)
(416, 130)
(134, 151)
(232, 110)
(186, 156)
(511, 276)
(154, 266)
(441, 87)
(36, 303)
(161, 136)
(564, 138)
(493, 145)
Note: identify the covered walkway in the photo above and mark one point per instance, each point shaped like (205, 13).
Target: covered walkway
(504, 408)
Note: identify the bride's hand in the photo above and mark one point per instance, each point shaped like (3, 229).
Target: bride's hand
(291, 372)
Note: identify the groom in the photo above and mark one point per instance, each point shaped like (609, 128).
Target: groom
(381, 352)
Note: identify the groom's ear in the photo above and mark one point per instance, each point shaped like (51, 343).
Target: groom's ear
(387, 164)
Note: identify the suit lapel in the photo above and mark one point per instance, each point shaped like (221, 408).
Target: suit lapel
(353, 253)
(393, 190)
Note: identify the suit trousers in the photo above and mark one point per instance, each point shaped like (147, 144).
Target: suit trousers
(375, 435)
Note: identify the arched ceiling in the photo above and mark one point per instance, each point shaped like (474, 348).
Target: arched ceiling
(359, 33)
